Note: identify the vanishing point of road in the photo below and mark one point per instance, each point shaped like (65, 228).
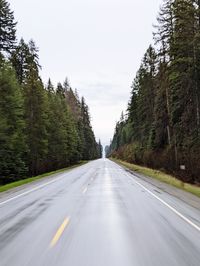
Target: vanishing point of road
(99, 214)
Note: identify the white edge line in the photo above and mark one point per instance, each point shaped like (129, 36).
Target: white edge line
(167, 205)
(29, 191)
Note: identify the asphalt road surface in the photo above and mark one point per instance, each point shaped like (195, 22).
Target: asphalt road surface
(98, 214)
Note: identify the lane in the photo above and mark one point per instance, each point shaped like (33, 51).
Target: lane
(70, 175)
(98, 214)
(28, 222)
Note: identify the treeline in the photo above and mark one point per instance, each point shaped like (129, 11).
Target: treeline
(162, 126)
(42, 128)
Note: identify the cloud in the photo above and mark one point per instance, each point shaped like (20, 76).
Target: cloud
(106, 102)
(97, 44)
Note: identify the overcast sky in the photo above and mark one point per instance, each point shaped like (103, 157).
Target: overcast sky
(97, 44)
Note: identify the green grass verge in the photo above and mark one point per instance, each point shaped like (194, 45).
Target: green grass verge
(31, 179)
(161, 176)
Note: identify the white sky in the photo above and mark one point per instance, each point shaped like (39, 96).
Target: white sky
(97, 44)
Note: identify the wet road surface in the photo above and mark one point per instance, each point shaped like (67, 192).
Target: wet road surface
(98, 214)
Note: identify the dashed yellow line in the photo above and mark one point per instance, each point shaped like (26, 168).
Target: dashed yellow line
(59, 232)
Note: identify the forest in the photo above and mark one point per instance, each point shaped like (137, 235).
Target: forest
(42, 127)
(161, 128)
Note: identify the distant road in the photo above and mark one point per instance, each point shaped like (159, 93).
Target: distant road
(97, 215)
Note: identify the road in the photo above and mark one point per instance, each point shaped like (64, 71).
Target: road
(98, 214)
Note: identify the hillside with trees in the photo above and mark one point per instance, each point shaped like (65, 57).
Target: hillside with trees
(161, 128)
(42, 128)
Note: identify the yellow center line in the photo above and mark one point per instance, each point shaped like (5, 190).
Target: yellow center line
(59, 232)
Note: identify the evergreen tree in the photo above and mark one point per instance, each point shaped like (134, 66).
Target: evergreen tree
(141, 107)
(89, 142)
(100, 149)
(161, 130)
(41, 129)
(50, 87)
(12, 139)
(181, 77)
(60, 90)
(7, 28)
(165, 31)
(164, 112)
(35, 114)
(74, 105)
(19, 59)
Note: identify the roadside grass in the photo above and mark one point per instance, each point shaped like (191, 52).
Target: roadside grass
(161, 176)
(31, 179)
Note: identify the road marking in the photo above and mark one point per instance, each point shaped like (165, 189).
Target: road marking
(29, 191)
(59, 232)
(169, 206)
(85, 190)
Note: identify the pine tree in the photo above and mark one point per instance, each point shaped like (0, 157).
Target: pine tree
(20, 60)
(164, 36)
(89, 142)
(141, 107)
(60, 90)
(133, 118)
(35, 114)
(50, 87)
(12, 139)
(74, 105)
(63, 137)
(100, 149)
(181, 77)
(196, 65)
(163, 125)
(41, 129)
(66, 85)
(161, 131)
(7, 28)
